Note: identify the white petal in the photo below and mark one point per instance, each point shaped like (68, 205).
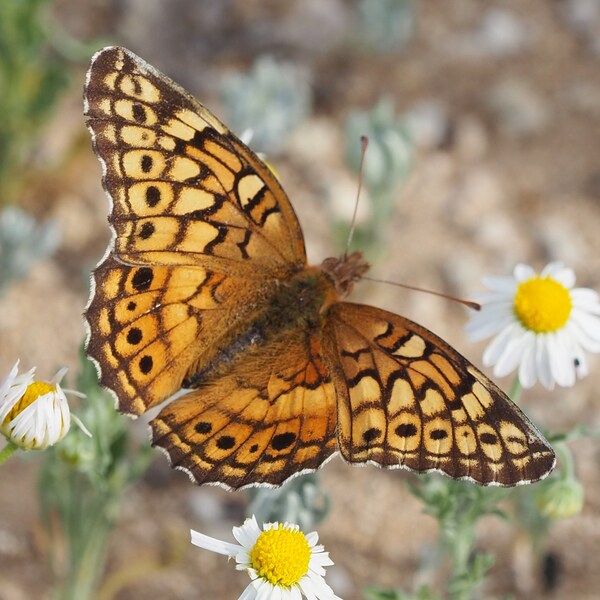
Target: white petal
(243, 560)
(264, 590)
(496, 347)
(249, 593)
(295, 593)
(277, 593)
(552, 269)
(214, 545)
(307, 588)
(12, 389)
(585, 329)
(317, 586)
(586, 299)
(483, 328)
(312, 538)
(508, 351)
(561, 358)
(527, 370)
(542, 362)
(8, 380)
(248, 533)
(321, 559)
(523, 272)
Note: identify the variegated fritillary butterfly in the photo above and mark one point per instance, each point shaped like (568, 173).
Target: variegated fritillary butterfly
(205, 286)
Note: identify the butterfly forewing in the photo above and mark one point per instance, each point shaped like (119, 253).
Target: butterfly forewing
(407, 399)
(184, 189)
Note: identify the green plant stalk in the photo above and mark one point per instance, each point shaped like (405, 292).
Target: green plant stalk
(87, 530)
(567, 464)
(8, 451)
(458, 539)
(515, 390)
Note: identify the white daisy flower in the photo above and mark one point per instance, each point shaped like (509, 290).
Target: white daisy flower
(282, 562)
(542, 325)
(34, 414)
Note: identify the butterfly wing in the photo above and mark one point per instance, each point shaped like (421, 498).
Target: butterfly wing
(150, 328)
(407, 399)
(201, 229)
(271, 416)
(185, 190)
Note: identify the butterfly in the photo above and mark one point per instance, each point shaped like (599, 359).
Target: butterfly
(205, 287)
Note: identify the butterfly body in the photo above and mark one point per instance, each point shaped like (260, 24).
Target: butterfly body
(205, 286)
(298, 301)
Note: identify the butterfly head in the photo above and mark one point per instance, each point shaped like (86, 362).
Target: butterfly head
(345, 271)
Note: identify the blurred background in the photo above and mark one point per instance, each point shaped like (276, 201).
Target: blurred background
(484, 123)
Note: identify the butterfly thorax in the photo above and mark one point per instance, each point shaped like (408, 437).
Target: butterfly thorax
(345, 270)
(297, 302)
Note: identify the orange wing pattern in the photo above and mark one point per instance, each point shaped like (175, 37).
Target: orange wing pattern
(150, 326)
(407, 399)
(184, 189)
(271, 417)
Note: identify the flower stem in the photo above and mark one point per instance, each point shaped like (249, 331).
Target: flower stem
(7, 451)
(566, 460)
(515, 390)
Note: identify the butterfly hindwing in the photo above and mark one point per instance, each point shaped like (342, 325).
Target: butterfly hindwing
(149, 326)
(270, 416)
(407, 399)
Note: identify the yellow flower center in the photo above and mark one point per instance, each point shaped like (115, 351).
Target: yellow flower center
(542, 304)
(32, 393)
(281, 556)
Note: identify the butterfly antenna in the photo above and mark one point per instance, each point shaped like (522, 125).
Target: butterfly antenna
(469, 303)
(364, 142)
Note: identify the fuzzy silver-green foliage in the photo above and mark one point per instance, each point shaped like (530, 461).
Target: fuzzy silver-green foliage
(387, 25)
(269, 101)
(386, 165)
(82, 484)
(299, 501)
(22, 243)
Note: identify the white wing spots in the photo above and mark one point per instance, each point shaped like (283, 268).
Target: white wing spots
(248, 187)
(183, 168)
(412, 348)
(179, 130)
(199, 123)
(140, 88)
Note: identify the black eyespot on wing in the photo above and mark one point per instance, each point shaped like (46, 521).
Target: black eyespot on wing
(283, 440)
(203, 427)
(142, 279)
(406, 430)
(225, 442)
(146, 364)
